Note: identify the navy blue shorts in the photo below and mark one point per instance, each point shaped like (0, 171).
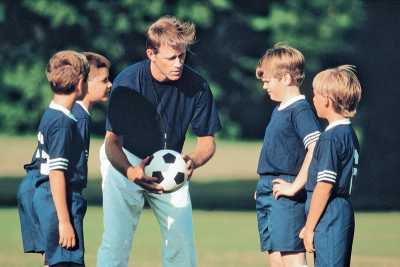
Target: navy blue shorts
(45, 211)
(32, 241)
(279, 221)
(333, 238)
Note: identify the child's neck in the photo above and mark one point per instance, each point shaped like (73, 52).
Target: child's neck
(333, 116)
(290, 92)
(87, 103)
(67, 101)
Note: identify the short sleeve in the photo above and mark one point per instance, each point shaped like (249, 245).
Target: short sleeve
(205, 120)
(306, 126)
(327, 162)
(59, 144)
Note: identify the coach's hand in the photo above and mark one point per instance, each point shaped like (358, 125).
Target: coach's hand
(137, 175)
(190, 165)
(308, 239)
(281, 187)
(66, 235)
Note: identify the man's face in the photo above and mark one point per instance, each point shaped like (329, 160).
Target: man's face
(168, 62)
(99, 85)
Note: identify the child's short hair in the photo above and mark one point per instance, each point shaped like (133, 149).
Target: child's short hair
(64, 70)
(97, 61)
(282, 59)
(342, 86)
(171, 31)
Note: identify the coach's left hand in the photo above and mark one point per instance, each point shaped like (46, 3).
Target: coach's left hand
(281, 187)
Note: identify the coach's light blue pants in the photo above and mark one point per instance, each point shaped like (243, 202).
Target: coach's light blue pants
(123, 202)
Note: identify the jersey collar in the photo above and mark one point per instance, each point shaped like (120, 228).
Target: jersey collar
(336, 123)
(62, 109)
(83, 106)
(287, 103)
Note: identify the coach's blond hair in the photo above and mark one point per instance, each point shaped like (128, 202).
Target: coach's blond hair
(281, 60)
(170, 31)
(342, 86)
(65, 69)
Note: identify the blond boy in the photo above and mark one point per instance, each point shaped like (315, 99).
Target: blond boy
(287, 150)
(329, 228)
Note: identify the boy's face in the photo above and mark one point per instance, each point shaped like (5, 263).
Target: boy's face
(320, 103)
(99, 85)
(273, 86)
(168, 61)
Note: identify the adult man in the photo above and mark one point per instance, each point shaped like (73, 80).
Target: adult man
(171, 96)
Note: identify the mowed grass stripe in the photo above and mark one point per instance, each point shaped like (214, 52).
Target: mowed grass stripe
(222, 238)
(232, 160)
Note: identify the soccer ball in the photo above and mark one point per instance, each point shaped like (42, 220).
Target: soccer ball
(170, 169)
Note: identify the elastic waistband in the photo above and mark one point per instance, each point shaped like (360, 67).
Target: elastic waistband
(335, 195)
(70, 187)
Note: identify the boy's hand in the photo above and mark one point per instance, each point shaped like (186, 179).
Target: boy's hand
(281, 187)
(308, 239)
(190, 165)
(137, 175)
(67, 235)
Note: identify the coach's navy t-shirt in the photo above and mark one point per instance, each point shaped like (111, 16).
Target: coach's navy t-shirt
(335, 158)
(293, 126)
(59, 147)
(152, 115)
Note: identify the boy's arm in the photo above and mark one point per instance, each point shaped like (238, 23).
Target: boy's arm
(319, 200)
(283, 188)
(204, 150)
(58, 191)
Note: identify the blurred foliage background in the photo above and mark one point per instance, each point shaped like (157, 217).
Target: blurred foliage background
(231, 36)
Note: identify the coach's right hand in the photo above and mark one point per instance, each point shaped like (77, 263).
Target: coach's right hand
(137, 175)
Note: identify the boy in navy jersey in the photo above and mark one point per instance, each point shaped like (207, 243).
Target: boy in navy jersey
(285, 156)
(329, 228)
(52, 213)
(99, 87)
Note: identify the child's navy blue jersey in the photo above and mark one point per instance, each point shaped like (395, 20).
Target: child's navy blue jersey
(293, 126)
(59, 147)
(83, 123)
(160, 113)
(335, 158)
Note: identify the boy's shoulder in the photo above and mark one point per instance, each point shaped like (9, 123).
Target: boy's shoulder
(55, 117)
(79, 111)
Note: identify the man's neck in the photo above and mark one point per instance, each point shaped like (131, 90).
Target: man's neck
(156, 73)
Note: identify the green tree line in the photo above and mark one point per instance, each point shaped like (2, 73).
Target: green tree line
(231, 37)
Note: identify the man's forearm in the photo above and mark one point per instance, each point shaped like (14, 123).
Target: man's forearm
(205, 149)
(115, 154)
(59, 193)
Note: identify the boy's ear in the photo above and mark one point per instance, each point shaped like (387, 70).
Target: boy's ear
(287, 79)
(81, 88)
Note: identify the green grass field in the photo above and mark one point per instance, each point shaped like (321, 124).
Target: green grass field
(226, 239)
(223, 238)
